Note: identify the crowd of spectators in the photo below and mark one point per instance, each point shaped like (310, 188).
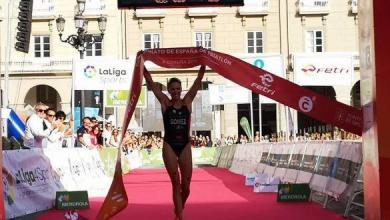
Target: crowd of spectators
(49, 128)
(336, 134)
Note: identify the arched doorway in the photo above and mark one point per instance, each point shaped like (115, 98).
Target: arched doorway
(308, 124)
(355, 95)
(45, 94)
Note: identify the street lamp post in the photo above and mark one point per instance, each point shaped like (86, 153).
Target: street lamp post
(82, 39)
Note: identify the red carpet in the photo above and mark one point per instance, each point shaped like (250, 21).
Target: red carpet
(215, 194)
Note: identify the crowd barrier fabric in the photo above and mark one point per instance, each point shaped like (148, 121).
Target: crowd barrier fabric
(309, 161)
(284, 159)
(273, 158)
(264, 157)
(325, 164)
(295, 164)
(329, 167)
(346, 168)
(29, 182)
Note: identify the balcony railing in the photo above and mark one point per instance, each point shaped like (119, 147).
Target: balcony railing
(254, 7)
(43, 9)
(94, 7)
(39, 65)
(354, 6)
(313, 7)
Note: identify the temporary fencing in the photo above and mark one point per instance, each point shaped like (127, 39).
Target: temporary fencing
(330, 167)
(31, 177)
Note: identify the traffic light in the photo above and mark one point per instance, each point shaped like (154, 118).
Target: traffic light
(24, 26)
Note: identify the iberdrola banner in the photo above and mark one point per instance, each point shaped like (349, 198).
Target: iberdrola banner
(259, 81)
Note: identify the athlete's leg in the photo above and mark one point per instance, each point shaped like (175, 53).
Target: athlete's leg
(185, 166)
(171, 165)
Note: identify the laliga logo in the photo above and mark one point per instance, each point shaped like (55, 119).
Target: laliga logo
(266, 79)
(305, 104)
(89, 71)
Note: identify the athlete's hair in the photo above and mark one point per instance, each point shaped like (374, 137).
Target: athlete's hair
(173, 80)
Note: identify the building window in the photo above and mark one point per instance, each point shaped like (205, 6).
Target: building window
(152, 41)
(203, 39)
(314, 41)
(41, 46)
(255, 42)
(94, 50)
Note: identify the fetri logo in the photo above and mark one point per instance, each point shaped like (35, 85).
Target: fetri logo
(89, 71)
(267, 79)
(305, 104)
(310, 69)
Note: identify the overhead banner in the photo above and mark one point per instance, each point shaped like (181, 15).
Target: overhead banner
(259, 81)
(268, 62)
(323, 69)
(102, 74)
(176, 3)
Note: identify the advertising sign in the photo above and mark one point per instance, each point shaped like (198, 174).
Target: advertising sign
(72, 200)
(116, 98)
(270, 63)
(293, 192)
(323, 69)
(228, 94)
(102, 74)
(177, 3)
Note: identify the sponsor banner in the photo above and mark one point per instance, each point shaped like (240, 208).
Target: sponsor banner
(80, 169)
(228, 94)
(72, 200)
(266, 183)
(200, 156)
(295, 162)
(102, 74)
(29, 182)
(323, 69)
(283, 161)
(108, 159)
(270, 63)
(312, 153)
(346, 168)
(293, 192)
(116, 98)
(326, 161)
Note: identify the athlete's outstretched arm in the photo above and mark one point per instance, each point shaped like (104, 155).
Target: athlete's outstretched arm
(162, 98)
(189, 97)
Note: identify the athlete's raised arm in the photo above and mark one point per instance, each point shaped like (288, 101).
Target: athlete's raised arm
(189, 97)
(162, 98)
